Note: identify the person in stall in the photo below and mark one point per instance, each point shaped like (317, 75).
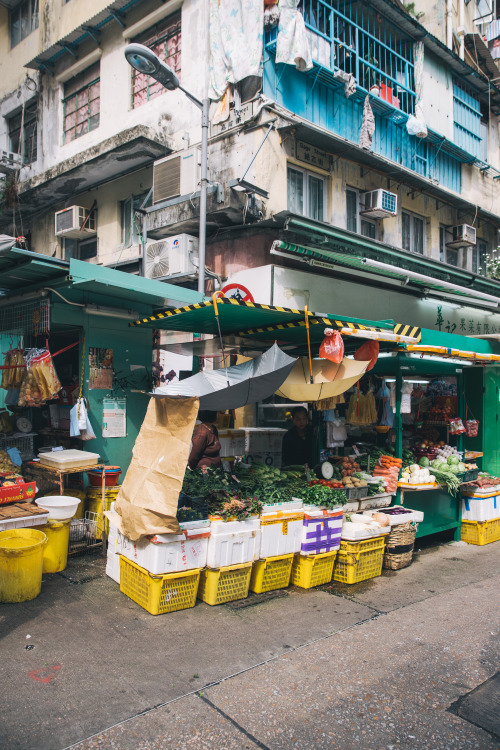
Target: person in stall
(297, 445)
(205, 445)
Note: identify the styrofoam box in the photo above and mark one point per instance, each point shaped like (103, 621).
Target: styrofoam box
(397, 520)
(115, 537)
(68, 459)
(113, 566)
(321, 531)
(27, 522)
(169, 553)
(293, 504)
(263, 439)
(232, 443)
(233, 542)
(268, 458)
(281, 533)
(375, 501)
(480, 508)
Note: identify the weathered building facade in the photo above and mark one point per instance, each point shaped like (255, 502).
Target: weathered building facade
(404, 110)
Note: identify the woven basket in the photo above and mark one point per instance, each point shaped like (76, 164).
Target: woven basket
(399, 546)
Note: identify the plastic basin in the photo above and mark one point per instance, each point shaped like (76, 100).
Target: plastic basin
(60, 507)
(21, 561)
(111, 474)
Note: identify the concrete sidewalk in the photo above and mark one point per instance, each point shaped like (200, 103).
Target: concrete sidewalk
(376, 665)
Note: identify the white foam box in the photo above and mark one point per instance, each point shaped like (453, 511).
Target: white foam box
(27, 522)
(232, 443)
(321, 530)
(115, 538)
(480, 508)
(281, 533)
(233, 542)
(398, 519)
(113, 566)
(68, 459)
(294, 504)
(169, 553)
(375, 501)
(268, 458)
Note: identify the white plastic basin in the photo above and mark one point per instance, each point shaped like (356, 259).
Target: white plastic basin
(60, 507)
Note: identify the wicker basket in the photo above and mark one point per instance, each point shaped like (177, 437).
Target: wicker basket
(399, 546)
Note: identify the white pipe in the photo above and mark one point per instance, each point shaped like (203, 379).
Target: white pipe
(461, 27)
(449, 26)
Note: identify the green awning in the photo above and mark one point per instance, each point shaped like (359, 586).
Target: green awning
(366, 264)
(21, 269)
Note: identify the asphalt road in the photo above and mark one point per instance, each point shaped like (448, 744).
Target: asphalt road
(403, 661)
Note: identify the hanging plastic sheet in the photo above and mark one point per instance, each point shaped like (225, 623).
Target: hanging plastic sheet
(236, 43)
(367, 125)
(292, 45)
(416, 124)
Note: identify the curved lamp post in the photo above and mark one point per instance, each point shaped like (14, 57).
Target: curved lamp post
(145, 61)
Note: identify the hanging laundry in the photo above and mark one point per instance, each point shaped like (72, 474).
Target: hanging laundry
(350, 86)
(292, 46)
(367, 125)
(387, 419)
(236, 42)
(406, 398)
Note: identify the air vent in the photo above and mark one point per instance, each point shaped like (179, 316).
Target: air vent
(175, 175)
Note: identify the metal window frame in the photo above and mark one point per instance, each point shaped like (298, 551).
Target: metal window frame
(306, 173)
(68, 98)
(29, 118)
(33, 13)
(359, 218)
(174, 29)
(412, 217)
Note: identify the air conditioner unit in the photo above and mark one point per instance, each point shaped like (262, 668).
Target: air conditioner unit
(463, 236)
(177, 174)
(379, 204)
(171, 258)
(75, 222)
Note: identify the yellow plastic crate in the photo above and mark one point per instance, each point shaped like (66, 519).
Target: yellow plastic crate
(312, 570)
(220, 585)
(358, 561)
(169, 592)
(480, 532)
(271, 573)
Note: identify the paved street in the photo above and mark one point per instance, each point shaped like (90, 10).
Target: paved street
(389, 663)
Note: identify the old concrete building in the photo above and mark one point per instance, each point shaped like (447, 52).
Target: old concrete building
(364, 179)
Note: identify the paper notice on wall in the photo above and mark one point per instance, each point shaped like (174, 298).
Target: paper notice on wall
(100, 368)
(114, 417)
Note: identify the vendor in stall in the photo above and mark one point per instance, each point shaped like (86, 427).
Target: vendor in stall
(205, 445)
(297, 446)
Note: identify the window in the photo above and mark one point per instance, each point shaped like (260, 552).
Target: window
(81, 103)
(130, 220)
(447, 254)
(306, 193)
(413, 233)
(467, 131)
(23, 132)
(80, 249)
(479, 254)
(165, 40)
(23, 20)
(355, 222)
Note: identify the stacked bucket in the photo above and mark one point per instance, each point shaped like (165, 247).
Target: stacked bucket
(93, 503)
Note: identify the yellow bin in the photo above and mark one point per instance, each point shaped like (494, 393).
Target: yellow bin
(21, 561)
(55, 554)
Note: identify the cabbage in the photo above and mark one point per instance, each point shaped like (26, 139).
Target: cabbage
(437, 463)
(453, 459)
(445, 468)
(462, 467)
(424, 461)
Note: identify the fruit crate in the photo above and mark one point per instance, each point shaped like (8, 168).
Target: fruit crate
(271, 573)
(471, 476)
(358, 561)
(312, 570)
(225, 584)
(480, 532)
(356, 493)
(158, 594)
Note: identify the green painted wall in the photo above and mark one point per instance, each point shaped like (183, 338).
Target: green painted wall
(491, 445)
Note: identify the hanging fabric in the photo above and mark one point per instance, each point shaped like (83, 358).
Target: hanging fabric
(367, 125)
(292, 46)
(416, 124)
(406, 391)
(236, 43)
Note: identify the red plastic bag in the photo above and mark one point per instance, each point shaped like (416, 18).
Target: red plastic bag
(471, 427)
(332, 346)
(368, 352)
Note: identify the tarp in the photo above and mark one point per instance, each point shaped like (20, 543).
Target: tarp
(6, 242)
(232, 387)
(329, 379)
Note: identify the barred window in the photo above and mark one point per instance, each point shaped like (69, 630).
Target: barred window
(82, 103)
(23, 132)
(165, 40)
(23, 20)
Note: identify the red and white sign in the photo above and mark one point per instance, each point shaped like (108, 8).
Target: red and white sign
(239, 292)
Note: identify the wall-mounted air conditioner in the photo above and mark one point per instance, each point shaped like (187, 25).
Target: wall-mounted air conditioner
(75, 222)
(177, 174)
(379, 204)
(463, 236)
(171, 258)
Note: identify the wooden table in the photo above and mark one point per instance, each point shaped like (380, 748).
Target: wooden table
(61, 473)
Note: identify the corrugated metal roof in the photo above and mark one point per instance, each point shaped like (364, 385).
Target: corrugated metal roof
(83, 32)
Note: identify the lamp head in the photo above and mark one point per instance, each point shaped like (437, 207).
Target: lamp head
(145, 61)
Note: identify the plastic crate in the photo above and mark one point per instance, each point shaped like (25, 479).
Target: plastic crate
(477, 532)
(358, 561)
(24, 443)
(471, 476)
(356, 493)
(158, 594)
(271, 573)
(225, 584)
(312, 570)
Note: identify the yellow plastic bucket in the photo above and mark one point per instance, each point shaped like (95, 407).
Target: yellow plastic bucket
(55, 554)
(21, 561)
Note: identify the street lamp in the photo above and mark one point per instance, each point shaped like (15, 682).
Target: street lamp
(145, 61)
